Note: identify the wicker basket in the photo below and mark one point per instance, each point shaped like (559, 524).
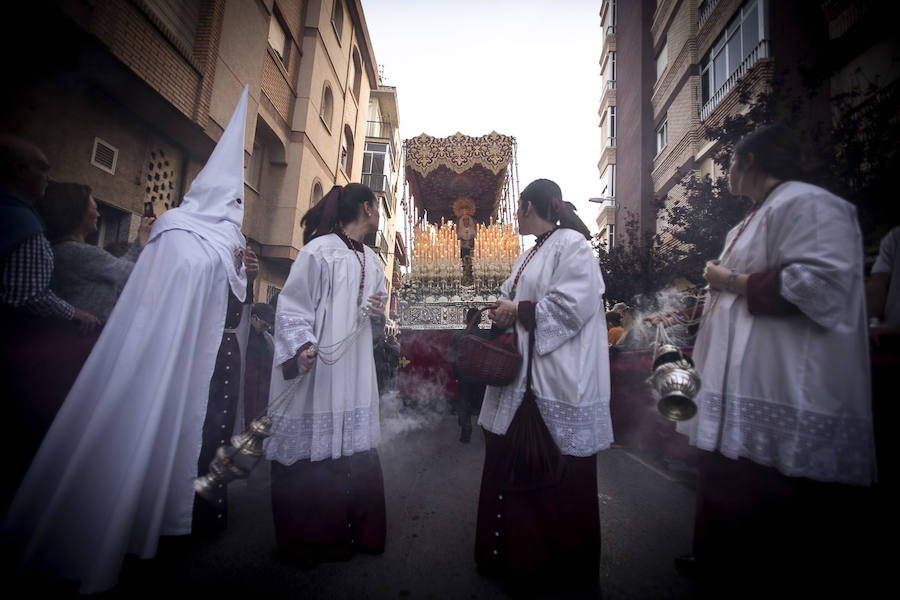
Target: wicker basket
(491, 362)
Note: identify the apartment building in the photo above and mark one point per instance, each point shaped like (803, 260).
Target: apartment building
(381, 172)
(679, 63)
(131, 96)
(606, 219)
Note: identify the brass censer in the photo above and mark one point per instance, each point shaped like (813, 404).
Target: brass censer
(240, 457)
(236, 460)
(674, 382)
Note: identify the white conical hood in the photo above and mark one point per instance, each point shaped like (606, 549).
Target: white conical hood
(213, 208)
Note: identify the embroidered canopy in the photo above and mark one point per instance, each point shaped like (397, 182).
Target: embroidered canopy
(440, 171)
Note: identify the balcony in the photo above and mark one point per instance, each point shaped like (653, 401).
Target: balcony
(704, 10)
(761, 51)
(381, 245)
(610, 84)
(611, 30)
(380, 184)
(382, 130)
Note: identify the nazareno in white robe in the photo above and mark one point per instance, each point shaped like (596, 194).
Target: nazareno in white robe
(570, 369)
(334, 411)
(115, 469)
(791, 392)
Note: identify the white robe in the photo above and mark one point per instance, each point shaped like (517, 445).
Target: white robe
(791, 392)
(570, 368)
(334, 410)
(114, 470)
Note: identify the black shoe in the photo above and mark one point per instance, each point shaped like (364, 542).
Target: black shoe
(686, 566)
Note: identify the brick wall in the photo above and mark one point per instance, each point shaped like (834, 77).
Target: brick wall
(182, 76)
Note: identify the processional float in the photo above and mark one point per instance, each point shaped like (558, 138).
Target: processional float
(460, 226)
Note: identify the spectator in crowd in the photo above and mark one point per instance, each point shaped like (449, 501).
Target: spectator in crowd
(260, 351)
(85, 275)
(635, 336)
(470, 394)
(614, 329)
(392, 349)
(883, 302)
(883, 288)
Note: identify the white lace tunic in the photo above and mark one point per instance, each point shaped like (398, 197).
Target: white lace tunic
(791, 392)
(335, 409)
(570, 367)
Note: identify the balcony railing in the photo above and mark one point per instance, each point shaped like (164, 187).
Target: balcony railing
(383, 130)
(610, 84)
(611, 141)
(761, 51)
(381, 245)
(704, 11)
(381, 184)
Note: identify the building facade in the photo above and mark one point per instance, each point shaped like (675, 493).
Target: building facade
(679, 66)
(135, 104)
(606, 220)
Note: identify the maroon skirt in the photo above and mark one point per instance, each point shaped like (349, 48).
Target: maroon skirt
(329, 510)
(540, 537)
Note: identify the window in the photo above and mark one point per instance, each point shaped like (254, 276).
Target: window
(662, 59)
(611, 239)
(662, 135)
(736, 43)
(337, 19)
(609, 17)
(612, 125)
(356, 77)
(316, 193)
(272, 294)
(278, 38)
(327, 109)
(376, 159)
(608, 181)
(609, 70)
(347, 150)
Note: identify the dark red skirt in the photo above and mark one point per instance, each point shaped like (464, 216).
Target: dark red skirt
(758, 532)
(540, 537)
(329, 510)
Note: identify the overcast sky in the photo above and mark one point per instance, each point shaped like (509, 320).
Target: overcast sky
(525, 68)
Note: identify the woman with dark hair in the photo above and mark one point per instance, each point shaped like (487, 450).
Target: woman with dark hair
(327, 486)
(784, 414)
(538, 520)
(85, 275)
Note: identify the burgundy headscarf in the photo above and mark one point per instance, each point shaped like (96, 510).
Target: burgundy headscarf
(321, 218)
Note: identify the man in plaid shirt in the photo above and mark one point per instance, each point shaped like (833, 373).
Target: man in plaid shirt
(25, 254)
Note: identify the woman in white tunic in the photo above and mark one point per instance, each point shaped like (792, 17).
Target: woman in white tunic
(784, 409)
(327, 486)
(547, 532)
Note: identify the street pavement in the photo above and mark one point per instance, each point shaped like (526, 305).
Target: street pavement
(431, 487)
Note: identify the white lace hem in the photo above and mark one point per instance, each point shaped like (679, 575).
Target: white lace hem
(313, 437)
(577, 430)
(799, 443)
